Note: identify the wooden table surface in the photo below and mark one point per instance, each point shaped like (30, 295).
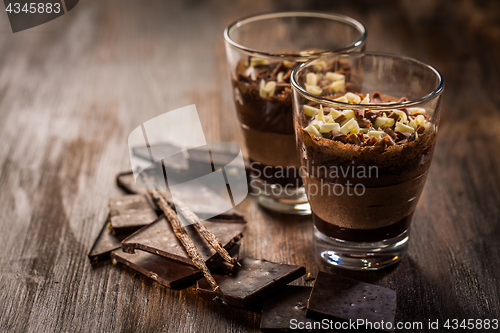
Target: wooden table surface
(72, 90)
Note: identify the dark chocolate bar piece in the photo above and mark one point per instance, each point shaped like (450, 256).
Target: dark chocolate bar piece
(255, 280)
(209, 202)
(287, 305)
(341, 299)
(129, 213)
(158, 238)
(103, 245)
(219, 265)
(166, 272)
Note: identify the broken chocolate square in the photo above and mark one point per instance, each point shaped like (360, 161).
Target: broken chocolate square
(129, 213)
(167, 272)
(252, 282)
(103, 245)
(341, 299)
(159, 238)
(287, 305)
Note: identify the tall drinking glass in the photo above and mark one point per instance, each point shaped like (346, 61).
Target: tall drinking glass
(261, 52)
(366, 126)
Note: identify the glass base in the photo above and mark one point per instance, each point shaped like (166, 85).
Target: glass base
(360, 256)
(286, 200)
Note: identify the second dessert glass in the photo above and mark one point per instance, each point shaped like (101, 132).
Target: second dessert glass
(261, 52)
(366, 126)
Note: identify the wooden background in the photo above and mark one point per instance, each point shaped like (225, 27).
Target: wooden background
(72, 90)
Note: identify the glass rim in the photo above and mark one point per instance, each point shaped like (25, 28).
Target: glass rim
(297, 56)
(382, 106)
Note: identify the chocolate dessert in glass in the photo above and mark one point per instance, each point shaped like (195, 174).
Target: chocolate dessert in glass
(262, 52)
(366, 126)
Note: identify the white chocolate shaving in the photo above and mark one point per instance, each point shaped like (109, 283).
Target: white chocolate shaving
(335, 76)
(319, 66)
(310, 111)
(254, 62)
(320, 115)
(414, 111)
(348, 114)
(311, 79)
(279, 76)
(400, 127)
(338, 86)
(351, 126)
(267, 89)
(381, 121)
(375, 134)
(312, 129)
(341, 99)
(412, 123)
(328, 119)
(366, 100)
(402, 116)
(334, 113)
(389, 122)
(420, 120)
(325, 128)
(314, 89)
(353, 98)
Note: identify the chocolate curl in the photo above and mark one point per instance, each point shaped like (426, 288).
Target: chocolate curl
(186, 241)
(207, 234)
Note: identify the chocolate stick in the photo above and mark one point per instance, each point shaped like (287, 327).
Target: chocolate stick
(186, 241)
(207, 234)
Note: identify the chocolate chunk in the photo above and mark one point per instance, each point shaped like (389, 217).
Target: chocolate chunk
(338, 136)
(340, 118)
(370, 141)
(354, 139)
(403, 135)
(255, 280)
(129, 213)
(394, 116)
(103, 245)
(377, 98)
(158, 238)
(166, 272)
(403, 99)
(209, 201)
(420, 129)
(342, 299)
(364, 123)
(360, 114)
(391, 133)
(289, 303)
(371, 115)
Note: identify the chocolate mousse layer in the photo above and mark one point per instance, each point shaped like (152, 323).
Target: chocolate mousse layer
(365, 169)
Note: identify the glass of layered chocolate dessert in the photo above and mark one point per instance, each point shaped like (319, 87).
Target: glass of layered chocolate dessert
(366, 126)
(262, 51)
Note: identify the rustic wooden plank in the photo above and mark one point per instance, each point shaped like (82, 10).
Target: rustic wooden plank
(72, 90)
